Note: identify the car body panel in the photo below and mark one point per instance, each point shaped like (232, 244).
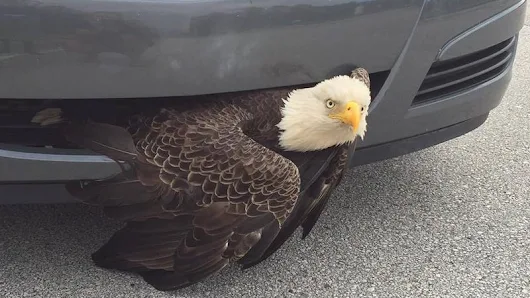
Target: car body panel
(500, 26)
(124, 49)
(393, 103)
(402, 53)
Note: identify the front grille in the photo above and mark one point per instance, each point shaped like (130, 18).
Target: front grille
(458, 74)
(15, 114)
(15, 127)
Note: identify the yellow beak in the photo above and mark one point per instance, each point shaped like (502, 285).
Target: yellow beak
(351, 115)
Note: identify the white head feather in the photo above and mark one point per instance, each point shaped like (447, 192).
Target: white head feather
(306, 124)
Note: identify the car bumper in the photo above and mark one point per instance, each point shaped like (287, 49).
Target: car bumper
(46, 192)
(443, 84)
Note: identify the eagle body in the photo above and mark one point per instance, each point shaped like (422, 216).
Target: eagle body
(203, 184)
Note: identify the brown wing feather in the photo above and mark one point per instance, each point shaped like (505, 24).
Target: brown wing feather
(321, 191)
(220, 193)
(362, 75)
(311, 202)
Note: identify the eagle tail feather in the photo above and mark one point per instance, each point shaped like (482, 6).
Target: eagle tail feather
(135, 254)
(151, 248)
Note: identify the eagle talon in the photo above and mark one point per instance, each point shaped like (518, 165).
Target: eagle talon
(48, 116)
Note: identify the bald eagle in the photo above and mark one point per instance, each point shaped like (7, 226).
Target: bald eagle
(224, 179)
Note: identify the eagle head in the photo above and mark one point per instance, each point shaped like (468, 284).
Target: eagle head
(331, 113)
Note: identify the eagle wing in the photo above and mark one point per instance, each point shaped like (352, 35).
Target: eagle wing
(200, 193)
(319, 178)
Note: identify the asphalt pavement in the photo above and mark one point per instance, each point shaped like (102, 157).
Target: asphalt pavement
(449, 221)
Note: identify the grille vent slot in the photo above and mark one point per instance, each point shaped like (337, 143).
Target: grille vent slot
(15, 114)
(458, 74)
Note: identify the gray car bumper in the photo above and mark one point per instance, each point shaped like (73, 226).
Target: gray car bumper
(451, 71)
